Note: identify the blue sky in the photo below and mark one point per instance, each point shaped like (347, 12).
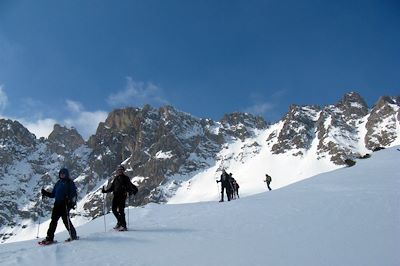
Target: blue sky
(72, 62)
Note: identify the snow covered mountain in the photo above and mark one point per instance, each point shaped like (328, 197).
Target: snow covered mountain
(175, 157)
(346, 217)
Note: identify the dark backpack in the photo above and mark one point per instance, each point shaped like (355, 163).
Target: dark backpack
(134, 189)
(71, 194)
(122, 185)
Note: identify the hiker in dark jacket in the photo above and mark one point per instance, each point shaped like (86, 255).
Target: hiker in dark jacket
(120, 186)
(225, 185)
(235, 187)
(268, 180)
(65, 195)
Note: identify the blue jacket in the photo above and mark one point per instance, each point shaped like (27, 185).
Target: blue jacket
(64, 189)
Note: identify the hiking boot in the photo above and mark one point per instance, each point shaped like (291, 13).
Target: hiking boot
(47, 241)
(116, 226)
(122, 228)
(72, 238)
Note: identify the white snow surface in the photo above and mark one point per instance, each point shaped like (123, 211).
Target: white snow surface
(349, 216)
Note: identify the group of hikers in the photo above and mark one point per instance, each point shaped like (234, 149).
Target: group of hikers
(65, 194)
(231, 187)
(229, 184)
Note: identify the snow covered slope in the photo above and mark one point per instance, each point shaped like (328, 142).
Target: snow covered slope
(350, 216)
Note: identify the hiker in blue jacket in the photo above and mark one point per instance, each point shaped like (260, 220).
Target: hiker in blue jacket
(65, 195)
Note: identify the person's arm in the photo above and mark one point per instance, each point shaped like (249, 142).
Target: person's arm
(52, 194)
(111, 188)
(132, 189)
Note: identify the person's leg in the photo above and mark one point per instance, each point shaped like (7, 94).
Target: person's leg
(121, 211)
(228, 193)
(114, 209)
(55, 215)
(68, 224)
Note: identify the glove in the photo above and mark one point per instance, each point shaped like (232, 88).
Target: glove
(103, 190)
(71, 204)
(45, 193)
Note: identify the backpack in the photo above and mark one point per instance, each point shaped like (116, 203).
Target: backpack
(71, 195)
(133, 190)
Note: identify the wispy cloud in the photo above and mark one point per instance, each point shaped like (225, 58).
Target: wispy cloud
(265, 106)
(260, 108)
(40, 127)
(74, 106)
(3, 99)
(137, 94)
(85, 122)
(11, 55)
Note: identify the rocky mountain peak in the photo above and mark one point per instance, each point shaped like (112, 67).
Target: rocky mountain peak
(382, 122)
(63, 138)
(386, 100)
(352, 106)
(298, 128)
(246, 119)
(122, 119)
(14, 132)
(241, 125)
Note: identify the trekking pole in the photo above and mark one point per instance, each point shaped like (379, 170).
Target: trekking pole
(69, 222)
(104, 212)
(218, 196)
(40, 207)
(133, 202)
(128, 198)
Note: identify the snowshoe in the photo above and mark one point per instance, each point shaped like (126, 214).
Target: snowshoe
(121, 229)
(69, 239)
(116, 226)
(46, 242)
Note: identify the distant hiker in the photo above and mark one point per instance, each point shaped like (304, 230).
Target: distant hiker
(268, 180)
(235, 187)
(65, 195)
(225, 185)
(232, 187)
(120, 186)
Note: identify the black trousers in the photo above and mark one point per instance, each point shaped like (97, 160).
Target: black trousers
(59, 210)
(228, 192)
(268, 185)
(118, 208)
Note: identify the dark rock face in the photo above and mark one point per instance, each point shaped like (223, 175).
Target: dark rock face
(382, 122)
(62, 140)
(159, 144)
(298, 129)
(352, 106)
(337, 124)
(242, 125)
(337, 127)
